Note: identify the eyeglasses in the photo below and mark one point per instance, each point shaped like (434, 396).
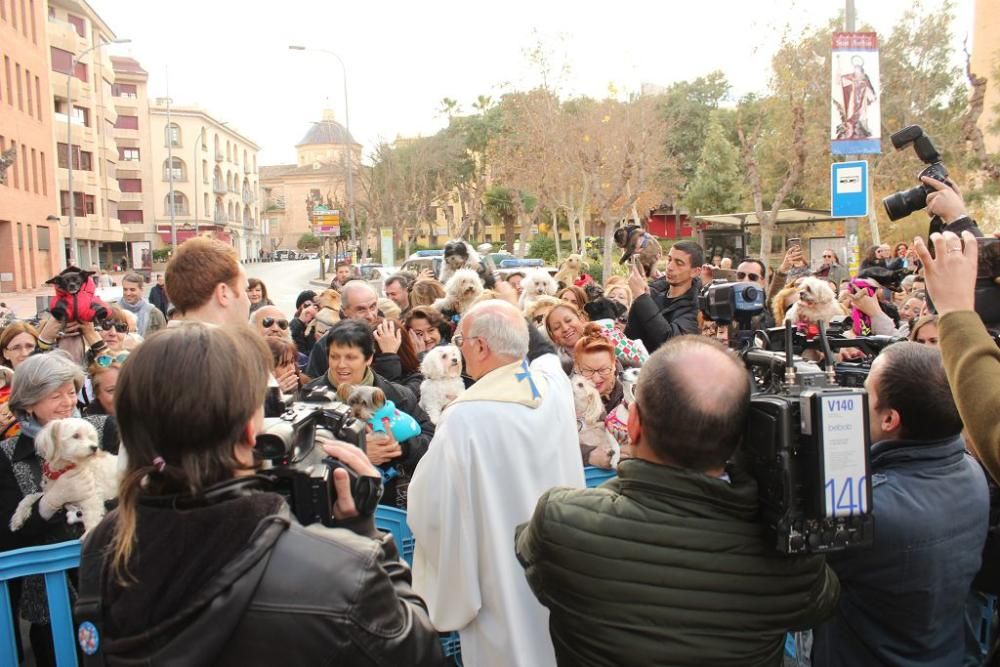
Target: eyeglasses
(752, 277)
(25, 347)
(105, 360)
(120, 327)
(269, 322)
(827, 256)
(591, 372)
(458, 339)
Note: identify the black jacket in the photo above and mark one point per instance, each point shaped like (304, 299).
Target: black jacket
(158, 297)
(237, 581)
(303, 343)
(388, 366)
(654, 317)
(413, 449)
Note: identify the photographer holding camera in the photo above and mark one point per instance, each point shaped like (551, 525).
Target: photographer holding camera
(200, 564)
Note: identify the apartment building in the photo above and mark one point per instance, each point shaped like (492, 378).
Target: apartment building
(29, 232)
(212, 169)
(81, 89)
(986, 62)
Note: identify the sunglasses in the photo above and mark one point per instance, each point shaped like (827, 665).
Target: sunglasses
(120, 327)
(268, 322)
(753, 277)
(105, 360)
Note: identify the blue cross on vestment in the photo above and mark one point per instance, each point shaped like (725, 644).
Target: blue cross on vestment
(526, 375)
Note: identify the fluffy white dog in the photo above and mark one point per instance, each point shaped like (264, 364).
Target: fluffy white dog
(72, 454)
(458, 255)
(460, 292)
(590, 423)
(816, 302)
(536, 283)
(442, 369)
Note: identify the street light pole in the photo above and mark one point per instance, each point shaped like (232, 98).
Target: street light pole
(347, 123)
(69, 141)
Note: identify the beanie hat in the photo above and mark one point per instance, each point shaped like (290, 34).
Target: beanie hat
(307, 295)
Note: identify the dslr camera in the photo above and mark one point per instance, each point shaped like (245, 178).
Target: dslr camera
(807, 445)
(903, 203)
(297, 468)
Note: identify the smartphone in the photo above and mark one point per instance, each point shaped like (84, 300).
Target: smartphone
(795, 240)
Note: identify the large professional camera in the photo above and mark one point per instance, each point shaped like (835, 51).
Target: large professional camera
(733, 304)
(807, 444)
(300, 470)
(901, 204)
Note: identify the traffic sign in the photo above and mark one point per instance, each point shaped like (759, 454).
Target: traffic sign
(849, 189)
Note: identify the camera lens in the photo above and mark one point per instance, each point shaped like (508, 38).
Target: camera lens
(750, 294)
(901, 204)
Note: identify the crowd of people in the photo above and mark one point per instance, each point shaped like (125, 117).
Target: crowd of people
(500, 397)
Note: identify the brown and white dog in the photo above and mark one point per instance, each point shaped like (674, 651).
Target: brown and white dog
(70, 450)
(816, 302)
(590, 422)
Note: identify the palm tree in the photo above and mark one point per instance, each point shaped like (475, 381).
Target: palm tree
(499, 207)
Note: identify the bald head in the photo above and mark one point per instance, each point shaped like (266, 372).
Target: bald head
(273, 318)
(360, 302)
(493, 334)
(693, 397)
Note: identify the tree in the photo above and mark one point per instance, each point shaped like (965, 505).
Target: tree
(687, 110)
(717, 183)
(499, 205)
(309, 241)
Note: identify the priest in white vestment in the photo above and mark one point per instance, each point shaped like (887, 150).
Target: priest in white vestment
(510, 437)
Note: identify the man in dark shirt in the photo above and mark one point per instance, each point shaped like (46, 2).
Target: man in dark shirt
(668, 306)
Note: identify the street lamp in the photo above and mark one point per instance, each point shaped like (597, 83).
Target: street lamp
(69, 140)
(347, 123)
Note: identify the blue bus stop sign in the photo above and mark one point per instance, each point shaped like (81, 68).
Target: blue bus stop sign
(849, 189)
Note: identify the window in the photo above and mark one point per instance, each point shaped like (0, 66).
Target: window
(86, 161)
(34, 34)
(10, 88)
(130, 184)
(34, 170)
(172, 135)
(125, 90)
(78, 203)
(81, 116)
(128, 154)
(129, 216)
(38, 96)
(81, 159)
(62, 61)
(20, 91)
(175, 169)
(78, 23)
(45, 182)
(127, 123)
(13, 14)
(180, 206)
(204, 171)
(27, 85)
(88, 201)
(43, 237)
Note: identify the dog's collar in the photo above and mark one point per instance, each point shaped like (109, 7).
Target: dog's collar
(53, 475)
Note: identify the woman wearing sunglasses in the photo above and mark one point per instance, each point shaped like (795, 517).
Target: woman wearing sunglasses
(103, 378)
(115, 330)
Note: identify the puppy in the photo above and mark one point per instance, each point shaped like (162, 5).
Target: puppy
(461, 291)
(633, 239)
(329, 298)
(71, 451)
(363, 401)
(536, 283)
(590, 422)
(442, 369)
(570, 270)
(816, 302)
(460, 255)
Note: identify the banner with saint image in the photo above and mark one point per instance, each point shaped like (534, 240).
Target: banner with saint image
(855, 113)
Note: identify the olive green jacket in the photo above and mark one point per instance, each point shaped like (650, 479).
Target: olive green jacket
(664, 566)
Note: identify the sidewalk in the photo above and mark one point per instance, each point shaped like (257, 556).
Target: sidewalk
(23, 303)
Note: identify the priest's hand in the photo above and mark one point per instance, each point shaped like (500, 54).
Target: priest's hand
(382, 447)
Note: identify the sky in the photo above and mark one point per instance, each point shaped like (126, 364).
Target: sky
(231, 57)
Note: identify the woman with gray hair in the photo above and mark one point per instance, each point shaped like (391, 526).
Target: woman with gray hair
(45, 389)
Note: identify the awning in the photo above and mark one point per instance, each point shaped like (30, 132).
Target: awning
(786, 216)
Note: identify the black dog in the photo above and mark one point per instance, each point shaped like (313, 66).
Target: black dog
(76, 299)
(460, 255)
(887, 278)
(603, 308)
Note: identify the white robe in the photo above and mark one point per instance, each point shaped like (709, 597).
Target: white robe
(483, 473)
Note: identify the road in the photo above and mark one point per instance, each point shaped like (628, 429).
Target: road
(284, 280)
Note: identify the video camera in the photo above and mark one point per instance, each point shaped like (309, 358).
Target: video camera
(807, 445)
(301, 471)
(733, 304)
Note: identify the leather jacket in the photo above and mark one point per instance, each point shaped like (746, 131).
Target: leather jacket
(283, 594)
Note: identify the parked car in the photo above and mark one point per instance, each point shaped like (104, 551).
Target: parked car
(308, 255)
(282, 255)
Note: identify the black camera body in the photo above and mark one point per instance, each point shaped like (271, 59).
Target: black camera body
(807, 445)
(300, 470)
(903, 203)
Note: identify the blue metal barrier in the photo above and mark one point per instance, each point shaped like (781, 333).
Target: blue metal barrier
(393, 521)
(52, 561)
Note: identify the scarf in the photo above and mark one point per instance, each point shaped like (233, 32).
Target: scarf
(367, 381)
(513, 383)
(141, 311)
(29, 427)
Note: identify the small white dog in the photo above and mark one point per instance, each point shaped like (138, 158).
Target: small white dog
(442, 369)
(71, 450)
(590, 422)
(459, 292)
(536, 283)
(816, 302)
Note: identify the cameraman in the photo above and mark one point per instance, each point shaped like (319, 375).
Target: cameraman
(198, 565)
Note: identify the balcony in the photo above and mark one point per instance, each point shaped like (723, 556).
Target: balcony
(247, 169)
(131, 197)
(220, 218)
(219, 188)
(127, 106)
(247, 197)
(63, 35)
(219, 156)
(129, 169)
(123, 133)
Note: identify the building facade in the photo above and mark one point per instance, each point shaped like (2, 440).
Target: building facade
(30, 239)
(85, 120)
(319, 176)
(211, 168)
(986, 62)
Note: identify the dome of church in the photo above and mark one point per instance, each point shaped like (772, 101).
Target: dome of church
(327, 131)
